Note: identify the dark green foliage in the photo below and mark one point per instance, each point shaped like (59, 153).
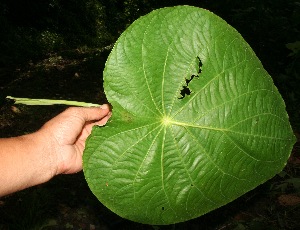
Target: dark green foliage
(34, 28)
(266, 25)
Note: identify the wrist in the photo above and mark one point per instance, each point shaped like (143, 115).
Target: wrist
(46, 157)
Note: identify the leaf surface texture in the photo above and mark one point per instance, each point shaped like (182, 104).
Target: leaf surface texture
(168, 156)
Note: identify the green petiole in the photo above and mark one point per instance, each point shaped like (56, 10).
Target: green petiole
(30, 101)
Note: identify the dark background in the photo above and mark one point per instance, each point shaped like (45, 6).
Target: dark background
(57, 49)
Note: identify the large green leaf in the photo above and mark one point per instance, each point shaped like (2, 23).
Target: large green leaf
(197, 121)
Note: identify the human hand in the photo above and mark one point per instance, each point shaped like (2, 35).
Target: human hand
(64, 136)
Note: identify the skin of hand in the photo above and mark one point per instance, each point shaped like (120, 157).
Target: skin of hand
(56, 148)
(66, 135)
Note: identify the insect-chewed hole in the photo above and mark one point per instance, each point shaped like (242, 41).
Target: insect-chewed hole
(185, 91)
(185, 88)
(163, 208)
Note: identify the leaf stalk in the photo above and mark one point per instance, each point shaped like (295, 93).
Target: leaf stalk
(31, 101)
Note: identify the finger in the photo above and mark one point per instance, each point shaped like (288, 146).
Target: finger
(103, 121)
(89, 114)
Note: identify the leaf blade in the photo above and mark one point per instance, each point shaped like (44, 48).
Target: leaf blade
(163, 160)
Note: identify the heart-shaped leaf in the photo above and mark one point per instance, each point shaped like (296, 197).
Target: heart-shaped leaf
(197, 121)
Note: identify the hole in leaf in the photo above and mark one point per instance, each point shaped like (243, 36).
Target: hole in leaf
(163, 208)
(185, 88)
(192, 185)
(199, 65)
(184, 91)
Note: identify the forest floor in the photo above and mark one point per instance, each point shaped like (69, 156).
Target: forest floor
(66, 202)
